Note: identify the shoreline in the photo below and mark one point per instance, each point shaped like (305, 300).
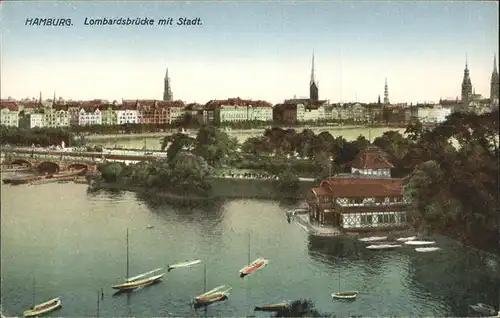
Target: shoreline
(232, 131)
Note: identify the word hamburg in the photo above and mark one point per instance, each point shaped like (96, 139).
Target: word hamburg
(48, 22)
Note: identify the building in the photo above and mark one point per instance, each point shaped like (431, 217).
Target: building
(33, 120)
(367, 199)
(176, 111)
(10, 113)
(372, 161)
(359, 204)
(167, 91)
(285, 113)
(56, 116)
(108, 115)
(89, 117)
(238, 110)
(127, 113)
(433, 115)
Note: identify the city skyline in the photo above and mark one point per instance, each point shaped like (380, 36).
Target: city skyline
(251, 50)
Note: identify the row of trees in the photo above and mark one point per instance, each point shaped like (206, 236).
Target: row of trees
(454, 189)
(37, 136)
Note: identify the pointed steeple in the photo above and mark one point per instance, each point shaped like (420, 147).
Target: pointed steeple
(467, 90)
(386, 93)
(167, 91)
(313, 79)
(494, 84)
(54, 99)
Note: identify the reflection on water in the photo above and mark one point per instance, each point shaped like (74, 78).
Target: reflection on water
(73, 242)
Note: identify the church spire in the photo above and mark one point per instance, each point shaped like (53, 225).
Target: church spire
(386, 93)
(313, 86)
(313, 79)
(494, 84)
(167, 91)
(467, 90)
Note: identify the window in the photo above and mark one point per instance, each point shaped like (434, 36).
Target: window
(403, 218)
(366, 219)
(380, 218)
(392, 218)
(358, 201)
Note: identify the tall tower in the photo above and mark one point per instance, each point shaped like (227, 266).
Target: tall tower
(494, 85)
(386, 93)
(167, 91)
(466, 86)
(313, 86)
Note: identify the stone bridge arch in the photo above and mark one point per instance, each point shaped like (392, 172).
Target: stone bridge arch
(78, 166)
(48, 167)
(21, 162)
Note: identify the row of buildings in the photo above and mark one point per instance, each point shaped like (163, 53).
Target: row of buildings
(60, 113)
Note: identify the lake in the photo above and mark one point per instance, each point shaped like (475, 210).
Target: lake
(73, 243)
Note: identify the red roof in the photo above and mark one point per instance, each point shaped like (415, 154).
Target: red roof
(31, 105)
(372, 157)
(10, 105)
(356, 187)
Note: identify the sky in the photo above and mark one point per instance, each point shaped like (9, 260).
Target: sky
(252, 50)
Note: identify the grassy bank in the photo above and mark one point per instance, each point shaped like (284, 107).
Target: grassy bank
(221, 188)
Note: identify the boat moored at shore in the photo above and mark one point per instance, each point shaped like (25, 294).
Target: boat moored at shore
(44, 308)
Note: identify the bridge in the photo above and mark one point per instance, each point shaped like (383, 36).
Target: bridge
(56, 161)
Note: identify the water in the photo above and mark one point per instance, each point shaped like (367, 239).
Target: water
(73, 243)
(154, 143)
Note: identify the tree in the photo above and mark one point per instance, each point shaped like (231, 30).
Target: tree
(111, 172)
(215, 146)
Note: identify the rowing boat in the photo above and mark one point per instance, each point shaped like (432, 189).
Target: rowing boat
(420, 242)
(427, 249)
(255, 265)
(273, 307)
(373, 238)
(183, 264)
(43, 308)
(483, 309)
(406, 239)
(346, 295)
(382, 246)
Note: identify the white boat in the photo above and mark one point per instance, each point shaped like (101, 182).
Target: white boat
(140, 280)
(420, 242)
(427, 249)
(406, 239)
(183, 264)
(346, 295)
(373, 238)
(212, 296)
(382, 246)
(43, 308)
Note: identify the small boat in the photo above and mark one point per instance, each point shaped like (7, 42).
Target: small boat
(382, 246)
(420, 242)
(346, 295)
(373, 238)
(149, 226)
(273, 307)
(255, 265)
(183, 264)
(218, 294)
(43, 308)
(484, 309)
(140, 280)
(406, 239)
(427, 249)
